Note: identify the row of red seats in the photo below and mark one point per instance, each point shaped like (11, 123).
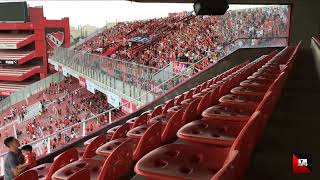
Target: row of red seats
(219, 145)
(211, 147)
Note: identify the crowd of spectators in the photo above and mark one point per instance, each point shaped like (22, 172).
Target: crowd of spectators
(61, 105)
(190, 41)
(205, 38)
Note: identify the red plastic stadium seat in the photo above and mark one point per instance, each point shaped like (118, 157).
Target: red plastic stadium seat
(210, 132)
(132, 121)
(191, 112)
(90, 150)
(163, 118)
(94, 167)
(82, 174)
(118, 164)
(138, 121)
(228, 113)
(156, 111)
(179, 99)
(168, 105)
(249, 91)
(199, 95)
(42, 170)
(182, 161)
(176, 108)
(150, 140)
(115, 166)
(137, 132)
(246, 142)
(189, 94)
(28, 175)
(240, 100)
(172, 126)
(47, 170)
(255, 83)
(228, 171)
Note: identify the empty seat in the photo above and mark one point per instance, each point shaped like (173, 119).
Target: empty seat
(182, 161)
(118, 164)
(90, 150)
(28, 175)
(150, 140)
(240, 100)
(210, 132)
(45, 171)
(228, 113)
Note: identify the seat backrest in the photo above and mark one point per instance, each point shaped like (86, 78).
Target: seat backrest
(191, 112)
(169, 104)
(121, 132)
(189, 94)
(82, 174)
(197, 90)
(214, 97)
(172, 127)
(63, 159)
(142, 119)
(118, 163)
(180, 99)
(223, 90)
(29, 175)
(150, 140)
(227, 172)
(90, 150)
(156, 111)
(204, 103)
(245, 143)
(204, 85)
(277, 85)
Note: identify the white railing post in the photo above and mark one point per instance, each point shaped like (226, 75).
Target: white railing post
(48, 146)
(110, 120)
(84, 129)
(15, 131)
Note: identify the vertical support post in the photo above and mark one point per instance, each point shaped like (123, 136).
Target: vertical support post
(110, 120)
(15, 131)
(83, 129)
(48, 145)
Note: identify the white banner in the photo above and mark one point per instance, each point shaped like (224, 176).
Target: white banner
(56, 67)
(8, 46)
(113, 99)
(64, 71)
(91, 86)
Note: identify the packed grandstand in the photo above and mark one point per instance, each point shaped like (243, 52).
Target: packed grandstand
(137, 53)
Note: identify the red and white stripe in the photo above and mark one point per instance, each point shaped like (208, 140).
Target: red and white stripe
(13, 38)
(13, 55)
(16, 71)
(8, 86)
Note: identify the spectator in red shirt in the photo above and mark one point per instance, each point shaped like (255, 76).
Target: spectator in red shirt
(29, 156)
